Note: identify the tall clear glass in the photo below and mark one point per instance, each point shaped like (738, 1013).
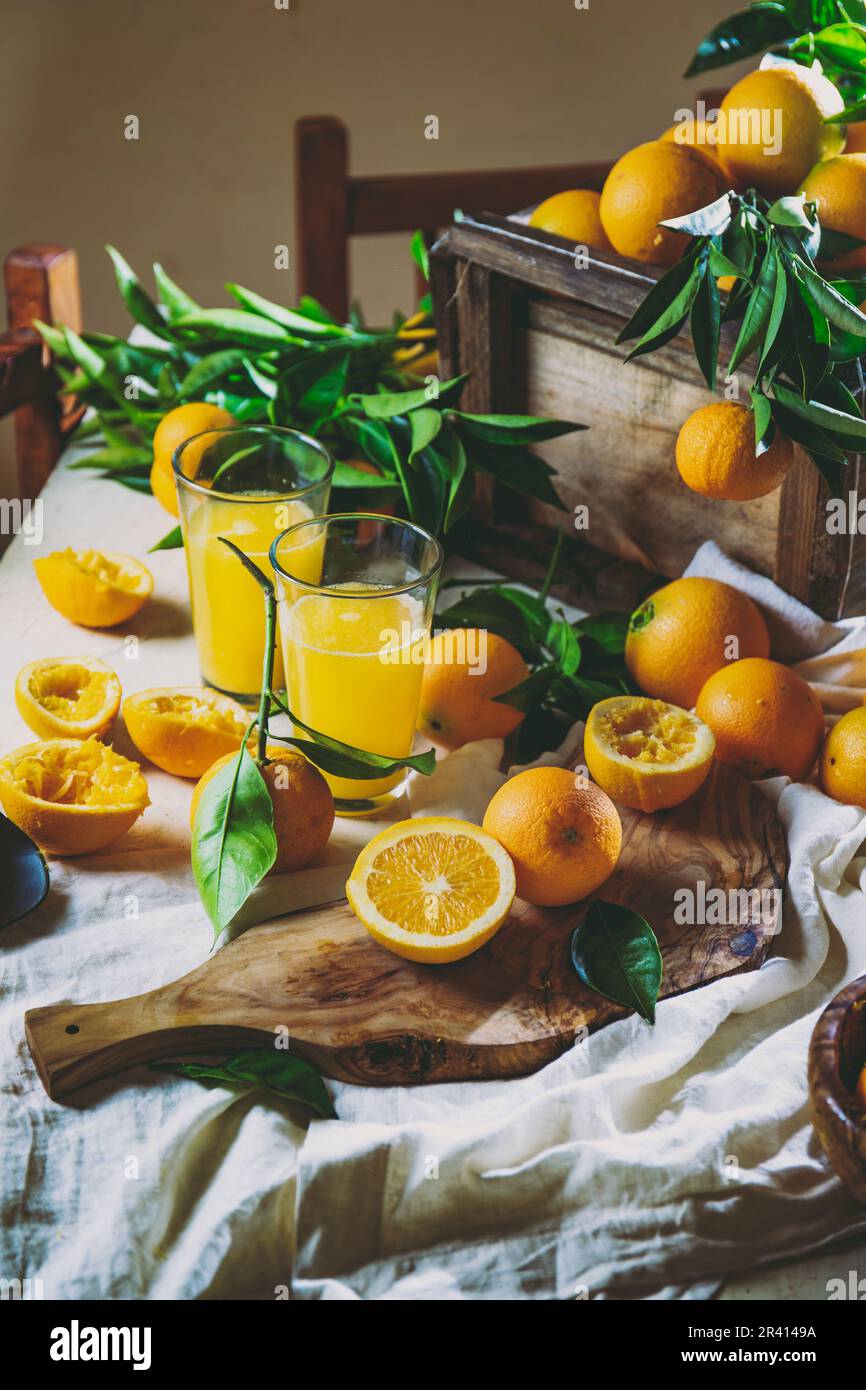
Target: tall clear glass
(354, 638)
(248, 483)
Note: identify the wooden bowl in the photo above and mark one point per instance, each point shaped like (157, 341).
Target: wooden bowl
(837, 1055)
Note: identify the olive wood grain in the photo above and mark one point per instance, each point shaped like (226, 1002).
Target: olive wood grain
(364, 1015)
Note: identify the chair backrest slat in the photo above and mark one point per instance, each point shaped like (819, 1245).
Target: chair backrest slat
(41, 281)
(332, 205)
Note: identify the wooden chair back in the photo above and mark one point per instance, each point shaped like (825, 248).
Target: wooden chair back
(41, 283)
(332, 205)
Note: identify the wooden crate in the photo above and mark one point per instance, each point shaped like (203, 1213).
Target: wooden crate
(539, 335)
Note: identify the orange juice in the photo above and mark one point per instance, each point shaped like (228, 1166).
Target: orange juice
(355, 657)
(228, 609)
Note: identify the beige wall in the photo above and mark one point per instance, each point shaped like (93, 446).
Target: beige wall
(217, 85)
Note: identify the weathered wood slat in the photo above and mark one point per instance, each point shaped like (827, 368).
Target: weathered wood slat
(567, 362)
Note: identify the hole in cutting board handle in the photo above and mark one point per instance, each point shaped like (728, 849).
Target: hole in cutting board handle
(72, 1028)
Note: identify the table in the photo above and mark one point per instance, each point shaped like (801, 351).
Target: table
(158, 1188)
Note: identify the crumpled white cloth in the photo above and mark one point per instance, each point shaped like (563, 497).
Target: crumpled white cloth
(646, 1161)
(610, 1170)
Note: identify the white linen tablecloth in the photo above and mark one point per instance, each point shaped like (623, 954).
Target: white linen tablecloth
(643, 1162)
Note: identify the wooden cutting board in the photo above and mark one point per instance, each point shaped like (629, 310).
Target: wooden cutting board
(362, 1014)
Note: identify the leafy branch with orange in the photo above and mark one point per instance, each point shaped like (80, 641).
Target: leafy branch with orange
(371, 396)
(800, 328)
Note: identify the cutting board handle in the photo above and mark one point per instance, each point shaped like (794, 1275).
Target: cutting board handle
(74, 1044)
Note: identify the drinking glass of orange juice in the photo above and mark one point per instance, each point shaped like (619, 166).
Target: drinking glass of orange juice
(248, 483)
(354, 637)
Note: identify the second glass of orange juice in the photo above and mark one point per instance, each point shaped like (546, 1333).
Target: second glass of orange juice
(247, 483)
(354, 638)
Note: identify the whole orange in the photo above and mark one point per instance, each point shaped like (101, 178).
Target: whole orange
(688, 630)
(302, 802)
(716, 454)
(838, 186)
(766, 719)
(463, 670)
(700, 135)
(651, 183)
(574, 215)
(175, 429)
(843, 759)
(772, 128)
(562, 832)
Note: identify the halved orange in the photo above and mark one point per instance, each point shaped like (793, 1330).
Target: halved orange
(646, 753)
(94, 588)
(67, 696)
(184, 729)
(433, 889)
(72, 796)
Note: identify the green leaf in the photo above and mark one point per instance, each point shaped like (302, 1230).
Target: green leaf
(609, 630)
(491, 609)
(284, 1073)
(176, 301)
(663, 293)
(763, 413)
(807, 433)
(833, 305)
(55, 339)
(265, 384)
(705, 322)
(833, 243)
(834, 392)
(513, 429)
(391, 403)
(720, 264)
(811, 334)
(518, 469)
(712, 220)
(172, 540)
(791, 212)
(301, 324)
(310, 308)
(420, 254)
(210, 369)
(322, 397)
(129, 480)
(825, 454)
(237, 456)
(531, 690)
(841, 44)
(615, 951)
(134, 296)
(855, 112)
(777, 312)
(532, 606)
(343, 759)
(347, 476)
(825, 416)
(232, 325)
(450, 456)
(757, 316)
(564, 642)
(671, 320)
(374, 440)
(233, 840)
(129, 460)
(741, 35)
(425, 425)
